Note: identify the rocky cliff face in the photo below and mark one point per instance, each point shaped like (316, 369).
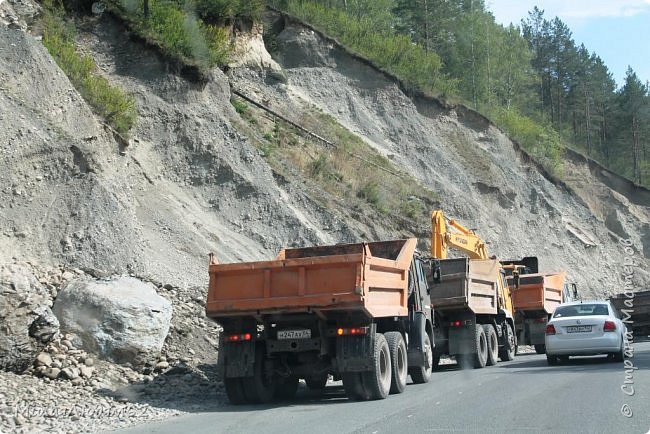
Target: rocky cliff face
(483, 179)
(192, 182)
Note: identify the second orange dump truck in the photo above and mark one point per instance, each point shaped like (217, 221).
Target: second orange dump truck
(534, 298)
(358, 312)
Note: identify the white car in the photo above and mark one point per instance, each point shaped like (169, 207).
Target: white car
(584, 328)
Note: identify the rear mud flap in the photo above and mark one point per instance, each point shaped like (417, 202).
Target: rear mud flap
(461, 340)
(416, 340)
(354, 353)
(238, 359)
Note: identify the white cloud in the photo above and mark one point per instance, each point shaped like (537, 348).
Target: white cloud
(507, 11)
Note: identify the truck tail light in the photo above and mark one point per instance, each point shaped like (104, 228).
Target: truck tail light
(239, 338)
(609, 326)
(550, 329)
(352, 331)
(467, 322)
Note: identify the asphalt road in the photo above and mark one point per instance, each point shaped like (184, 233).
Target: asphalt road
(525, 395)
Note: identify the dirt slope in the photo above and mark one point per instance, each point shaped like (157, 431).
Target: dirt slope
(192, 181)
(481, 176)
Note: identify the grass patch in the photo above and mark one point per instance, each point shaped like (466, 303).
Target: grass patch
(541, 141)
(395, 53)
(109, 101)
(240, 106)
(178, 31)
(413, 208)
(353, 172)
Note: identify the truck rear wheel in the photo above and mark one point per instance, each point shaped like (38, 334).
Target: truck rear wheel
(286, 388)
(353, 385)
(235, 391)
(260, 388)
(507, 351)
(317, 382)
(493, 344)
(422, 374)
(398, 361)
(540, 348)
(377, 381)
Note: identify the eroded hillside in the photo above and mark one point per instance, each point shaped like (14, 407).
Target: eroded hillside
(481, 177)
(207, 170)
(195, 180)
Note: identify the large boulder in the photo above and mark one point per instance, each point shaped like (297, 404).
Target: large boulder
(122, 319)
(26, 322)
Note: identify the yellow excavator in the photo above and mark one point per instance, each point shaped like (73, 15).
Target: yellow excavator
(466, 241)
(474, 321)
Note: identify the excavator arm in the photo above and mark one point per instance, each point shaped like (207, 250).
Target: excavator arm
(463, 239)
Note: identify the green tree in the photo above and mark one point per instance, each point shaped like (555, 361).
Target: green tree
(635, 111)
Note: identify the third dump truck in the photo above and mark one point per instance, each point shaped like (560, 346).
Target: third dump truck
(534, 297)
(357, 312)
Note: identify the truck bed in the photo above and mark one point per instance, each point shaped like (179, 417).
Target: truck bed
(466, 284)
(368, 277)
(539, 292)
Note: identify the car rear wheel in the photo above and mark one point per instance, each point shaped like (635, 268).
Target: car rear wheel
(619, 356)
(551, 360)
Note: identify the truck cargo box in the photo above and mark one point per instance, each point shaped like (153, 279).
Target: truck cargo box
(371, 278)
(539, 292)
(466, 284)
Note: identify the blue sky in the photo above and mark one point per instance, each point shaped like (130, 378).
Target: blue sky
(617, 30)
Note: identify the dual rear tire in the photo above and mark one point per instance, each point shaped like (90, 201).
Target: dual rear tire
(261, 388)
(485, 347)
(478, 357)
(376, 383)
(398, 360)
(390, 369)
(492, 344)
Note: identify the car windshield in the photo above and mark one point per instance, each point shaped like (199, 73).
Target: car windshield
(581, 310)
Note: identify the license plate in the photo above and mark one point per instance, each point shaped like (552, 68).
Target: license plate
(294, 334)
(578, 329)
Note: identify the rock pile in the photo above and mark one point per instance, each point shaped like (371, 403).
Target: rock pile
(26, 322)
(69, 385)
(29, 404)
(122, 319)
(61, 360)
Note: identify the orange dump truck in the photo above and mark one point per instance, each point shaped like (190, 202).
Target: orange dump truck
(534, 298)
(358, 312)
